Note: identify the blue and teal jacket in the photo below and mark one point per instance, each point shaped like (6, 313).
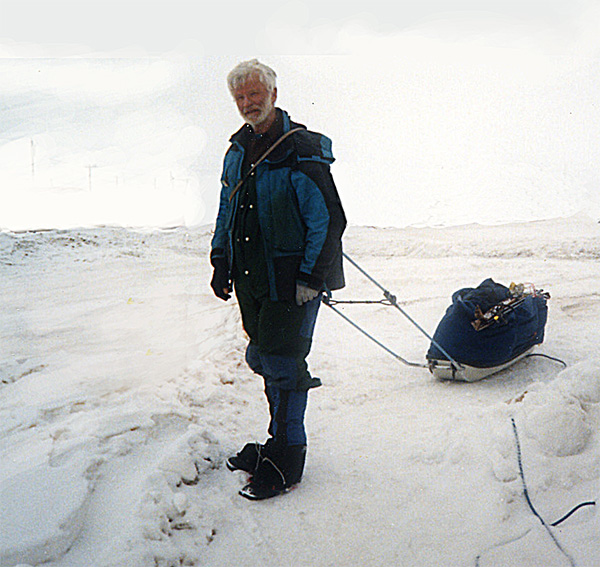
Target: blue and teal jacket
(299, 210)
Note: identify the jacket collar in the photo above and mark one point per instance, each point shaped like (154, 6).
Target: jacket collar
(242, 136)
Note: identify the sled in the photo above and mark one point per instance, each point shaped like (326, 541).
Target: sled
(487, 329)
(484, 331)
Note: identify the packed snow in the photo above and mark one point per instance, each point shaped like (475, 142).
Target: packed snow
(124, 389)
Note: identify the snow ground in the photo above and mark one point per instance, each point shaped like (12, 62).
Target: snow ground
(124, 389)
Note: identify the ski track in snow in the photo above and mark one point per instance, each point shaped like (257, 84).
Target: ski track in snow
(124, 389)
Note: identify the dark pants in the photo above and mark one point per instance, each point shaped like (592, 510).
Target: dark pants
(280, 339)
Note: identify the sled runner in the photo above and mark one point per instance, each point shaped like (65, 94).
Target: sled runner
(484, 331)
(487, 329)
(445, 370)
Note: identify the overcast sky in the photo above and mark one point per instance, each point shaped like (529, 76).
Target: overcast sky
(117, 112)
(155, 27)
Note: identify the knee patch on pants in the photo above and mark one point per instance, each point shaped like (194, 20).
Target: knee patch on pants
(253, 359)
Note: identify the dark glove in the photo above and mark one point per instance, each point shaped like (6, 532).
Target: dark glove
(221, 282)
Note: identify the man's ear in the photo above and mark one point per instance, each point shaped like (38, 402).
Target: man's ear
(274, 95)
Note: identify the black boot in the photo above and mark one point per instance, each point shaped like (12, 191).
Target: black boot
(276, 473)
(293, 465)
(247, 459)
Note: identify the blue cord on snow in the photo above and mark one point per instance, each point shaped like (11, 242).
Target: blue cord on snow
(528, 499)
(569, 514)
(534, 511)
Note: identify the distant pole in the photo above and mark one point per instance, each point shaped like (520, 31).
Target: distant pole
(32, 158)
(90, 167)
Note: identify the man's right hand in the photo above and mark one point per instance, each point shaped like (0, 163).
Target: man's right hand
(220, 283)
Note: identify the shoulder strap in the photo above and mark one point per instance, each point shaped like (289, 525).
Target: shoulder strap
(261, 159)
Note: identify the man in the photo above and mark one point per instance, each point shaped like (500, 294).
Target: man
(277, 243)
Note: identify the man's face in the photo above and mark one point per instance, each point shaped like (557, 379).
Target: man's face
(254, 101)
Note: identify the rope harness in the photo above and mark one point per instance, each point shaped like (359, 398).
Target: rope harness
(260, 160)
(389, 299)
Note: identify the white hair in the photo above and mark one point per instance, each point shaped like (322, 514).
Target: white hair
(247, 69)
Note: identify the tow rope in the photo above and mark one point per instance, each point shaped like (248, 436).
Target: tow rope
(533, 509)
(389, 299)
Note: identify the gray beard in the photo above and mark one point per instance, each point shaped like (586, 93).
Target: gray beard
(254, 122)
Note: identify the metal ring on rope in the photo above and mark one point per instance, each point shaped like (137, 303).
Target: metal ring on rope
(390, 299)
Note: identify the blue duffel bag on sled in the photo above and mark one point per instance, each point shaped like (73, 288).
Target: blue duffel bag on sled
(487, 329)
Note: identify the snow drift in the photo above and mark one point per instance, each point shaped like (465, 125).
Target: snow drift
(124, 388)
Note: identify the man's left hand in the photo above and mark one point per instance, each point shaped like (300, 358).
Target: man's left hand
(304, 294)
